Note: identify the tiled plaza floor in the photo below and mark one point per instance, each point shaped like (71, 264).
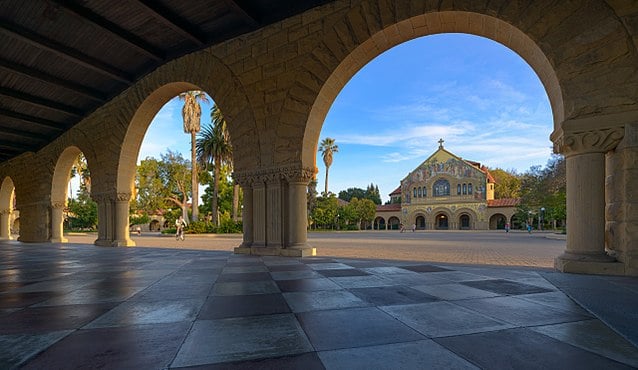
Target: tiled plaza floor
(84, 307)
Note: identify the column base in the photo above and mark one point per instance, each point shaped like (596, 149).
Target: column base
(598, 264)
(59, 240)
(114, 243)
(277, 251)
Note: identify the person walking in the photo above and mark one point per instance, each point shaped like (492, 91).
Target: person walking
(180, 224)
(507, 227)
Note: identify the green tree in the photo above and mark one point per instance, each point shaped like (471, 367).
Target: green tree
(214, 149)
(82, 211)
(350, 193)
(151, 194)
(326, 211)
(372, 193)
(508, 183)
(327, 147)
(191, 116)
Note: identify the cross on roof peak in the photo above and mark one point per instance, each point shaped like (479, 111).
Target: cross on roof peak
(441, 141)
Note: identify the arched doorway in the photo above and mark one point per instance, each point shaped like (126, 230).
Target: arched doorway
(420, 222)
(464, 222)
(379, 223)
(394, 223)
(441, 221)
(498, 221)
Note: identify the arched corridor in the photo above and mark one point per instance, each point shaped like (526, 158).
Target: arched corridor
(276, 84)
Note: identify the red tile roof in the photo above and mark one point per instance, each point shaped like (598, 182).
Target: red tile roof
(389, 207)
(396, 191)
(505, 202)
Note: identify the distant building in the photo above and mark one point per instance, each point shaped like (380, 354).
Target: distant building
(446, 192)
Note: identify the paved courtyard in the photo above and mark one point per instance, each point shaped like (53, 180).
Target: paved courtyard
(77, 306)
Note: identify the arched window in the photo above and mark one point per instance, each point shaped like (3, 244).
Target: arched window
(469, 188)
(425, 191)
(441, 188)
(464, 189)
(420, 192)
(458, 189)
(414, 192)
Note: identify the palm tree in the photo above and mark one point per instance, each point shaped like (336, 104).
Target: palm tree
(328, 147)
(191, 114)
(214, 148)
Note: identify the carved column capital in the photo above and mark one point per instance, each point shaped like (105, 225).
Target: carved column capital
(5, 211)
(58, 205)
(299, 174)
(123, 197)
(594, 141)
(243, 179)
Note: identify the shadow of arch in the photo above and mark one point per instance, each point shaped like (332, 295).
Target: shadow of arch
(7, 199)
(341, 67)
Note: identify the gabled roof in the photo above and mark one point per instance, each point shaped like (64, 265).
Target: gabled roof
(505, 202)
(396, 191)
(441, 149)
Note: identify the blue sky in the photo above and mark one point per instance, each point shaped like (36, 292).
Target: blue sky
(479, 96)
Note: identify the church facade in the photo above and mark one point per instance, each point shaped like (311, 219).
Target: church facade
(446, 192)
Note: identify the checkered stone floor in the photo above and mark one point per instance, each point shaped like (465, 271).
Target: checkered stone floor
(80, 306)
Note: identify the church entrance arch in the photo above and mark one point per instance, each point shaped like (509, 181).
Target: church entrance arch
(498, 221)
(441, 221)
(420, 222)
(464, 222)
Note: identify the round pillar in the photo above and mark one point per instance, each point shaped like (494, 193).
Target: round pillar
(121, 224)
(5, 224)
(298, 215)
(57, 222)
(247, 215)
(585, 161)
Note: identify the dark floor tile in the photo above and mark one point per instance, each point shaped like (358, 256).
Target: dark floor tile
(14, 300)
(8, 286)
(149, 312)
(424, 268)
(255, 262)
(219, 307)
(45, 319)
(509, 287)
(524, 349)
(159, 291)
(307, 285)
(364, 264)
(317, 260)
(16, 349)
(391, 295)
(306, 361)
(291, 267)
(355, 327)
(134, 347)
(242, 339)
(246, 276)
(342, 272)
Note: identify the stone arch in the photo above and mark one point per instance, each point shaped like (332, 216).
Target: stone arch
(59, 186)
(7, 198)
(394, 223)
(379, 223)
(497, 221)
(441, 219)
(472, 218)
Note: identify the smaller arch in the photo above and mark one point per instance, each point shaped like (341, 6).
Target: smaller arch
(441, 221)
(465, 221)
(498, 221)
(394, 223)
(420, 222)
(441, 188)
(379, 223)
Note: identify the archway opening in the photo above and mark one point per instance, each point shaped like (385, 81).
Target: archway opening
(394, 223)
(441, 221)
(420, 223)
(9, 216)
(498, 221)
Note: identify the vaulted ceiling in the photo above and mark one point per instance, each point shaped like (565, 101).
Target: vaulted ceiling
(60, 60)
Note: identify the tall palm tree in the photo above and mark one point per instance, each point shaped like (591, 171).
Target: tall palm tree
(191, 114)
(328, 147)
(214, 148)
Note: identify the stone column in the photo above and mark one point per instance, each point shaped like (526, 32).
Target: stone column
(246, 184)
(104, 219)
(5, 224)
(259, 213)
(121, 224)
(274, 211)
(585, 159)
(57, 222)
(35, 222)
(297, 213)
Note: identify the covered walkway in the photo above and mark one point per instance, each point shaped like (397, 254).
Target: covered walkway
(81, 306)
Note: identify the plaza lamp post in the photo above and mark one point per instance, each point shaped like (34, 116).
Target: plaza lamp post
(529, 218)
(540, 218)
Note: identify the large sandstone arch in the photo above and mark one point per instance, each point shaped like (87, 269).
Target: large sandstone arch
(59, 194)
(6, 207)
